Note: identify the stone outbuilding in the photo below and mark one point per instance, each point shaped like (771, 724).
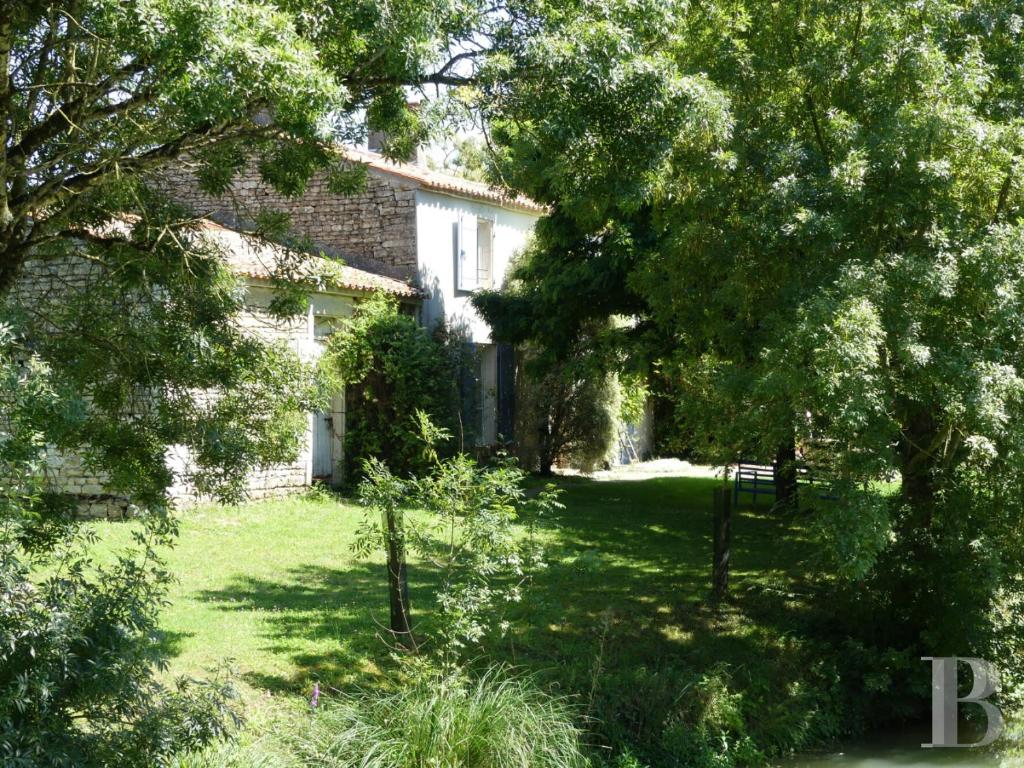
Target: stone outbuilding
(340, 288)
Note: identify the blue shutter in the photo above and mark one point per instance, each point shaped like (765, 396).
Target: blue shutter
(506, 391)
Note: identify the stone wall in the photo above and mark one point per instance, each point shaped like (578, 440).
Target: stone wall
(374, 229)
(67, 473)
(279, 479)
(48, 281)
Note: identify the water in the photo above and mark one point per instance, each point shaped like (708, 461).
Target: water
(897, 751)
(900, 750)
(868, 757)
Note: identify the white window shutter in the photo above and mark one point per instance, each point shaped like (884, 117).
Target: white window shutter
(466, 279)
(485, 252)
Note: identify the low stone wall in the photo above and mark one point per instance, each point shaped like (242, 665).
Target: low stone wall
(68, 474)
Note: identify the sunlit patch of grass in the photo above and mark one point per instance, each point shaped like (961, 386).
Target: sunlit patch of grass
(274, 587)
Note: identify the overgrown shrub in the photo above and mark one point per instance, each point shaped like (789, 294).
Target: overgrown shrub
(391, 368)
(567, 411)
(673, 715)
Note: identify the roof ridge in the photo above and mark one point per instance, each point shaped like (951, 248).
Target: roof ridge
(441, 181)
(337, 273)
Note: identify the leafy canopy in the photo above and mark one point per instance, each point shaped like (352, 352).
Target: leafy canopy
(814, 212)
(121, 339)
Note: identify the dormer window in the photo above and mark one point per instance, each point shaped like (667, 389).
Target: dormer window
(474, 249)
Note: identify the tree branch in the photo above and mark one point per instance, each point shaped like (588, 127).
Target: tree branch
(56, 189)
(1004, 194)
(6, 92)
(66, 115)
(812, 110)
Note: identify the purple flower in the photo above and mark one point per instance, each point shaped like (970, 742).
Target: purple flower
(316, 696)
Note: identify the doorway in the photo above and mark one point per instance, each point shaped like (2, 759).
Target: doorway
(323, 447)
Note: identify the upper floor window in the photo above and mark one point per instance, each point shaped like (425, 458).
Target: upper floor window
(474, 249)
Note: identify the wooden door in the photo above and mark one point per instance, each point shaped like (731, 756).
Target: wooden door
(323, 447)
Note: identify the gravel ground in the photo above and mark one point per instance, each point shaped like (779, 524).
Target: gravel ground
(645, 470)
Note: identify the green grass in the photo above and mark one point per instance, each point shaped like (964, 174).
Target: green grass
(274, 587)
(620, 618)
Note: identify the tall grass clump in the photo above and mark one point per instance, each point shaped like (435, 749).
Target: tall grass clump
(491, 722)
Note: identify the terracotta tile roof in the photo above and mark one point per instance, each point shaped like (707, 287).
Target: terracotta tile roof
(443, 182)
(255, 258)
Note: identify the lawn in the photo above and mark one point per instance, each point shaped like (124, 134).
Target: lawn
(620, 618)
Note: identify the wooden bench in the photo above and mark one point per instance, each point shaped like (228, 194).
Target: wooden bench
(753, 478)
(759, 479)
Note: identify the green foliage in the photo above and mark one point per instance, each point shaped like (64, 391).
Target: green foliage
(723, 716)
(391, 368)
(815, 213)
(466, 531)
(1013, 752)
(133, 348)
(102, 91)
(79, 646)
(492, 721)
(467, 158)
(113, 90)
(634, 394)
(567, 411)
(709, 729)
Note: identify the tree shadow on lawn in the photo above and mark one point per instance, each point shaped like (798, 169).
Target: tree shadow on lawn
(170, 642)
(620, 618)
(325, 621)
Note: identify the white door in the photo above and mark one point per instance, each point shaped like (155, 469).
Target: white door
(323, 442)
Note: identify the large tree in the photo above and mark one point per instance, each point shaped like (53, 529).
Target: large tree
(814, 212)
(97, 96)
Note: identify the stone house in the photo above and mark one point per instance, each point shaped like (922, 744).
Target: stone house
(253, 261)
(332, 303)
(446, 235)
(427, 238)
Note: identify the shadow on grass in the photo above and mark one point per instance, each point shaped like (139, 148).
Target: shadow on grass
(619, 618)
(325, 621)
(170, 643)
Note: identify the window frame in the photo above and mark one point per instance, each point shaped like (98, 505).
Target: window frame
(469, 275)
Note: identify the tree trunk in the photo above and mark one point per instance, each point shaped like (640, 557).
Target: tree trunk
(545, 449)
(398, 586)
(786, 475)
(721, 543)
(917, 464)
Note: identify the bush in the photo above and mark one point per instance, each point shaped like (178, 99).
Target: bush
(79, 648)
(567, 411)
(467, 533)
(391, 368)
(490, 722)
(721, 715)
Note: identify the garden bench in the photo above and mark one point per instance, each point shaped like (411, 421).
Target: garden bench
(753, 478)
(758, 479)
